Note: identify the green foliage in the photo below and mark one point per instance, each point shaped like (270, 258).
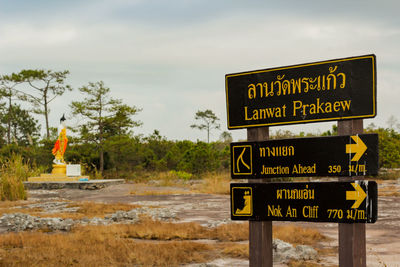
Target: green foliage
(282, 134)
(45, 85)
(334, 131)
(226, 137)
(104, 118)
(200, 158)
(13, 172)
(156, 153)
(389, 147)
(106, 145)
(130, 156)
(181, 175)
(23, 129)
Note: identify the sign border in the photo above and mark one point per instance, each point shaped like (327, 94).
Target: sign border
(370, 199)
(330, 154)
(372, 56)
(251, 203)
(251, 159)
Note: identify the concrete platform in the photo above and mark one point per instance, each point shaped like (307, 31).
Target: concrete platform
(83, 185)
(56, 177)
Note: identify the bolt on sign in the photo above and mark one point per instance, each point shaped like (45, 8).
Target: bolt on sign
(354, 155)
(321, 91)
(352, 202)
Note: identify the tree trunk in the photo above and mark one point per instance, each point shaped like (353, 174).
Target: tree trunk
(46, 115)
(9, 119)
(101, 154)
(101, 136)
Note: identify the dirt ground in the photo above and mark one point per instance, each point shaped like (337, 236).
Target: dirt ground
(383, 237)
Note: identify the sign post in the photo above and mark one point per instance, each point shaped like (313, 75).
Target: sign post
(352, 243)
(321, 91)
(260, 232)
(347, 156)
(352, 202)
(340, 89)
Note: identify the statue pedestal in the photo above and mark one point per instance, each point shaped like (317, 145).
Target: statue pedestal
(59, 169)
(58, 174)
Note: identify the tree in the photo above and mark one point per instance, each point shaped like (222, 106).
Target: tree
(389, 147)
(47, 85)
(7, 90)
(329, 132)
(208, 121)
(103, 116)
(121, 122)
(24, 128)
(393, 122)
(226, 137)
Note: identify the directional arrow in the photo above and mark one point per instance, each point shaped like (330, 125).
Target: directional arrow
(358, 195)
(359, 148)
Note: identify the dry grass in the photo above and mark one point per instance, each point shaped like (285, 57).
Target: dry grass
(86, 209)
(165, 231)
(9, 207)
(11, 204)
(306, 264)
(118, 245)
(298, 235)
(13, 171)
(89, 247)
(235, 250)
(170, 178)
(94, 209)
(215, 184)
(389, 191)
(156, 230)
(159, 192)
(232, 232)
(148, 243)
(328, 251)
(210, 183)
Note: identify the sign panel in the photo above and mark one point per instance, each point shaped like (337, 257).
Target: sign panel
(355, 155)
(321, 91)
(342, 202)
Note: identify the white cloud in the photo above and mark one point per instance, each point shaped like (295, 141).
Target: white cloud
(174, 69)
(28, 36)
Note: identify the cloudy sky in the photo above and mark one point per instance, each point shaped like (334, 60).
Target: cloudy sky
(170, 57)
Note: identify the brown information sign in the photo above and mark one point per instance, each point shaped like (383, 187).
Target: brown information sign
(354, 155)
(321, 91)
(342, 202)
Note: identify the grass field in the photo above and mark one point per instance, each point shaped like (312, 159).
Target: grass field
(147, 243)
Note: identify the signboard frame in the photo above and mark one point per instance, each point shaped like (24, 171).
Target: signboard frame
(353, 202)
(344, 156)
(256, 77)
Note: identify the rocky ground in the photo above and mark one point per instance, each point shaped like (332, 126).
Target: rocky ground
(383, 237)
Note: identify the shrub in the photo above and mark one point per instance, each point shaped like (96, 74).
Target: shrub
(181, 175)
(13, 172)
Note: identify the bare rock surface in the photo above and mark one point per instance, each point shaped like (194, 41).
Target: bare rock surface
(283, 251)
(20, 221)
